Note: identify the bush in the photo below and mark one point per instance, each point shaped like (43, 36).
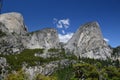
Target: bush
(42, 77)
(19, 75)
(53, 50)
(2, 33)
(64, 74)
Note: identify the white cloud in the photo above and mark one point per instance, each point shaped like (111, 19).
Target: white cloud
(63, 31)
(64, 23)
(59, 25)
(107, 40)
(66, 37)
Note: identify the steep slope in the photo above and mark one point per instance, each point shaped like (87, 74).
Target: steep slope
(88, 42)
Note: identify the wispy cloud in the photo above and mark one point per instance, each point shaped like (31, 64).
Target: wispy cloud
(65, 38)
(63, 26)
(64, 23)
(107, 40)
(63, 31)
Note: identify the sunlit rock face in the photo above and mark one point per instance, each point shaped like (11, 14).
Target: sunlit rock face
(46, 38)
(88, 42)
(13, 22)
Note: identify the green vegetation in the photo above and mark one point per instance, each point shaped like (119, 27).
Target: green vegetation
(116, 51)
(85, 68)
(64, 74)
(19, 75)
(94, 72)
(62, 54)
(75, 72)
(69, 56)
(42, 77)
(27, 56)
(53, 50)
(2, 33)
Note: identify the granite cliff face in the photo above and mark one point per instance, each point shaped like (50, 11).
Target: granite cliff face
(14, 36)
(46, 38)
(88, 42)
(12, 30)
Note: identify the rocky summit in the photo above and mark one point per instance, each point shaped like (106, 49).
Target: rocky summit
(88, 42)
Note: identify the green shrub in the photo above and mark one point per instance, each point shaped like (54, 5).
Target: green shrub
(42, 77)
(64, 74)
(53, 50)
(19, 75)
(2, 33)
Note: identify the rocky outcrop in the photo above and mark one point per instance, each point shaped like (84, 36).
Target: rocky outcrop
(88, 42)
(10, 45)
(47, 69)
(46, 38)
(3, 67)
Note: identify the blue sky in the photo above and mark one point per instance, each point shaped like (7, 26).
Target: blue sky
(69, 14)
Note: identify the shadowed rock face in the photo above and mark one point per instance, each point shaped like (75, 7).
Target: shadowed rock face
(116, 53)
(88, 42)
